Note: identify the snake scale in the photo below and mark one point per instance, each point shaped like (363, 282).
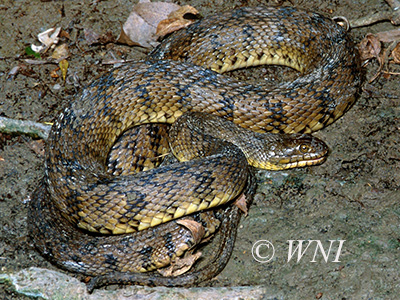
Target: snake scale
(75, 213)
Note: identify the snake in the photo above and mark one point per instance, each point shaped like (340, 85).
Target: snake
(89, 221)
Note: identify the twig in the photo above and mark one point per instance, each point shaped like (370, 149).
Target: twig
(372, 19)
(394, 4)
(392, 16)
(31, 128)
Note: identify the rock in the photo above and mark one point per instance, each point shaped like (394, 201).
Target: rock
(49, 284)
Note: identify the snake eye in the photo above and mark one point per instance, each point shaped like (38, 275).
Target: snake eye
(304, 148)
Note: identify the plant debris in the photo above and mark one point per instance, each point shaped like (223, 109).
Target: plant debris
(176, 20)
(48, 38)
(196, 229)
(60, 52)
(150, 20)
(180, 265)
(371, 48)
(241, 203)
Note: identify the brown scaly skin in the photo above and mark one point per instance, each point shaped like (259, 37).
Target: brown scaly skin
(92, 254)
(106, 257)
(78, 187)
(262, 150)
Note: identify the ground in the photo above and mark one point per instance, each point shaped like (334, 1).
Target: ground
(353, 197)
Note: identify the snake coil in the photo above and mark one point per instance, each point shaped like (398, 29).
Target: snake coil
(80, 200)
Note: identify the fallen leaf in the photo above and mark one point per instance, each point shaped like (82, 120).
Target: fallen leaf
(396, 53)
(241, 203)
(30, 51)
(124, 38)
(47, 38)
(154, 12)
(196, 229)
(34, 48)
(183, 11)
(141, 26)
(60, 52)
(176, 20)
(64, 68)
(370, 47)
(136, 32)
(180, 265)
(64, 34)
(53, 73)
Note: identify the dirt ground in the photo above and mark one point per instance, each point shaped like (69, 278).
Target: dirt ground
(354, 196)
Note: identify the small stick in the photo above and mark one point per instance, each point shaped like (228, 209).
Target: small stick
(12, 126)
(392, 16)
(371, 19)
(395, 5)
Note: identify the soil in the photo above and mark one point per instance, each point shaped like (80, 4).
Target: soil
(354, 196)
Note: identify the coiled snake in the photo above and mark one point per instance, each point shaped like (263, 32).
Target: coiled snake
(182, 76)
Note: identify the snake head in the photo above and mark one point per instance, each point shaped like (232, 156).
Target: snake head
(291, 151)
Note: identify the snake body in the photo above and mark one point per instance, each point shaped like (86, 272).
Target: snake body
(80, 191)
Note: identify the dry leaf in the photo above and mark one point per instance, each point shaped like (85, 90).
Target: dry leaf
(370, 47)
(60, 52)
(154, 12)
(176, 20)
(64, 68)
(133, 36)
(46, 39)
(141, 26)
(53, 73)
(396, 53)
(180, 265)
(64, 34)
(124, 39)
(241, 203)
(196, 229)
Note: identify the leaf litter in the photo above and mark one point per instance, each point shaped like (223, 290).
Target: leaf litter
(149, 21)
(371, 48)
